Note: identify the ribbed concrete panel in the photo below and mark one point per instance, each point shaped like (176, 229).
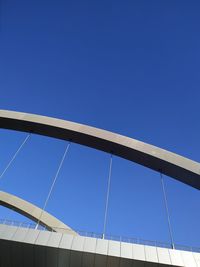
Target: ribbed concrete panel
(43, 238)
(113, 253)
(2, 227)
(54, 240)
(31, 236)
(66, 241)
(20, 234)
(102, 247)
(138, 252)
(114, 248)
(188, 259)
(176, 257)
(89, 249)
(90, 245)
(163, 255)
(8, 232)
(46, 251)
(78, 243)
(126, 250)
(197, 258)
(151, 254)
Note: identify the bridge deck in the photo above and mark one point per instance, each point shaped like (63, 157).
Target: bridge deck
(29, 247)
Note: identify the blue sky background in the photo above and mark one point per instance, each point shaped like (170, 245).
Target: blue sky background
(130, 67)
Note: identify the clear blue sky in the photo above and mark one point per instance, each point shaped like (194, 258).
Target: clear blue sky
(131, 67)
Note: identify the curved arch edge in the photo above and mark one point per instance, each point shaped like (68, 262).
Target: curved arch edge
(155, 158)
(33, 212)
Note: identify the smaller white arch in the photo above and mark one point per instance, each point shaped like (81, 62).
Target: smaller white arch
(34, 213)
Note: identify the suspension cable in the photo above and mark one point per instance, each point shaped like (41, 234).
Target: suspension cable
(167, 210)
(53, 184)
(14, 156)
(107, 197)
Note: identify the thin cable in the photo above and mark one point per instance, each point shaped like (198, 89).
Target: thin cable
(14, 156)
(52, 185)
(107, 198)
(167, 210)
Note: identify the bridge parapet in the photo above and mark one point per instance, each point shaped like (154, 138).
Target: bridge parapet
(93, 251)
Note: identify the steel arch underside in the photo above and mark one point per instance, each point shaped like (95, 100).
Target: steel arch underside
(171, 164)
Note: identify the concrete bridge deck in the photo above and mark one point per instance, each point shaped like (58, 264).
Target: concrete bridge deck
(25, 247)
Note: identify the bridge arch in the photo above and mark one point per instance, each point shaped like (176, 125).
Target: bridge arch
(34, 213)
(155, 158)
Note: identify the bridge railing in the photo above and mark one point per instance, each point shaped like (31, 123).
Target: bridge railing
(132, 240)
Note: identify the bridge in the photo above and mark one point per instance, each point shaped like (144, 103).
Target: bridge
(51, 242)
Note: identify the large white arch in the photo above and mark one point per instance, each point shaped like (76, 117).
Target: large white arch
(34, 213)
(171, 164)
